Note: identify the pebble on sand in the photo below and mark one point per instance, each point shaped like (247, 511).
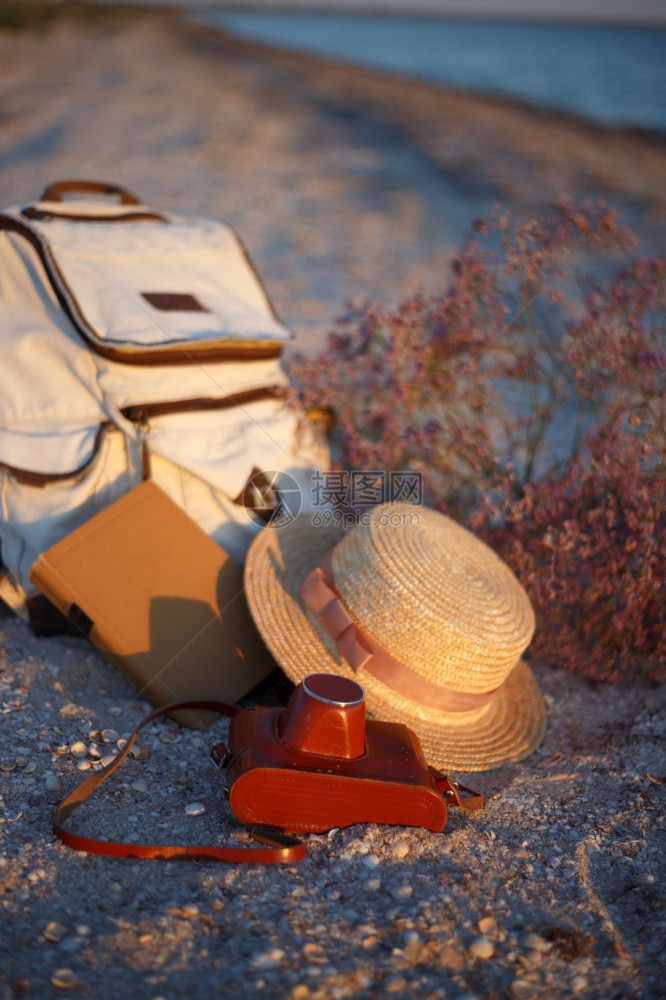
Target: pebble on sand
(522, 989)
(481, 948)
(65, 979)
(195, 809)
(395, 984)
(488, 926)
(54, 931)
(269, 959)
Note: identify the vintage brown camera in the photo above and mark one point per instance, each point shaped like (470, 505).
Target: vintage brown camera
(318, 764)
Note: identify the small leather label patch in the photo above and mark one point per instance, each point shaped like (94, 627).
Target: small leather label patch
(174, 301)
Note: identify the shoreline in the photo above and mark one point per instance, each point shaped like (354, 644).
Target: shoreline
(205, 18)
(328, 71)
(478, 10)
(266, 49)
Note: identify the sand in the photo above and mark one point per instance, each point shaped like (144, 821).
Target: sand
(343, 184)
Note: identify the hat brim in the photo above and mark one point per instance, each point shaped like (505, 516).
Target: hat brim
(508, 728)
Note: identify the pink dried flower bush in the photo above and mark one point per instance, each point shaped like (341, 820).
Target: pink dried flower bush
(533, 401)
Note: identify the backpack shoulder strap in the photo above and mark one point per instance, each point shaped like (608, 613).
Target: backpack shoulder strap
(280, 847)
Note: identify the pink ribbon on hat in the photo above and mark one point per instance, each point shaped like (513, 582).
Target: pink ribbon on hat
(362, 652)
(320, 595)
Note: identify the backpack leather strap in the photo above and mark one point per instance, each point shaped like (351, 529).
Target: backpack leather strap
(55, 191)
(280, 847)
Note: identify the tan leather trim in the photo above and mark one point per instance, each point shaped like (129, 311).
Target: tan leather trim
(55, 191)
(42, 215)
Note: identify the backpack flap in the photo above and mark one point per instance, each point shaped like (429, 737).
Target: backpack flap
(149, 289)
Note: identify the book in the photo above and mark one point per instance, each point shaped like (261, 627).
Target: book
(161, 598)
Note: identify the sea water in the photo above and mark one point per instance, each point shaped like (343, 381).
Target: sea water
(613, 76)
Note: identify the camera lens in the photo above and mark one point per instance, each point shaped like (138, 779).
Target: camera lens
(333, 690)
(325, 716)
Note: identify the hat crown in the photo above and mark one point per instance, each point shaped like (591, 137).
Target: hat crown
(434, 596)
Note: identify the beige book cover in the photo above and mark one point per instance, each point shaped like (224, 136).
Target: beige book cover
(164, 601)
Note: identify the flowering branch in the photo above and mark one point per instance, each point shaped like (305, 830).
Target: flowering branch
(532, 397)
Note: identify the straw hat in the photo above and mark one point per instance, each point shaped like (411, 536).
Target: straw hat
(418, 611)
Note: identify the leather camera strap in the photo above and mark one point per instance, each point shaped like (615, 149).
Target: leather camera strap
(280, 847)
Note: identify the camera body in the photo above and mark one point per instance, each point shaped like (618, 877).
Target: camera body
(319, 764)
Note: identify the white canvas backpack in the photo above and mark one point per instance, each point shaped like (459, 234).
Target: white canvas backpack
(135, 344)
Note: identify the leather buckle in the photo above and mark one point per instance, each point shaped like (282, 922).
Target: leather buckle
(219, 755)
